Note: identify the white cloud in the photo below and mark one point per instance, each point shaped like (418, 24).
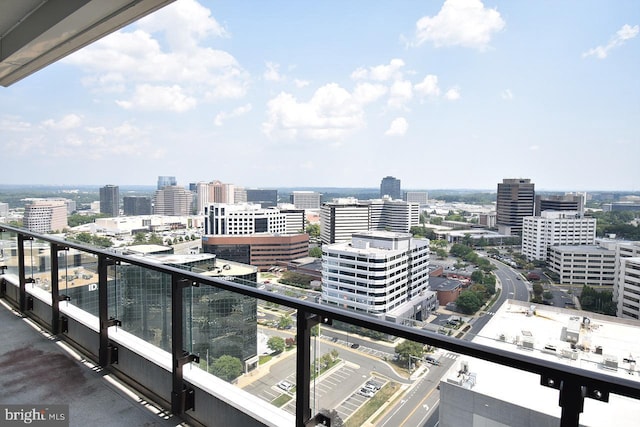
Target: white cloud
(534, 147)
(272, 73)
(331, 113)
(70, 121)
(464, 23)
(301, 83)
(166, 49)
(398, 127)
(428, 86)
(153, 98)
(380, 72)
(452, 94)
(222, 116)
(400, 93)
(507, 94)
(365, 93)
(11, 123)
(627, 32)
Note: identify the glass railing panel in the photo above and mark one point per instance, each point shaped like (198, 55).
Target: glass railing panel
(140, 298)
(78, 280)
(9, 252)
(355, 374)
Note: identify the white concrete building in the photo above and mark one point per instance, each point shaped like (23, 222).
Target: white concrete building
(172, 200)
(213, 192)
(479, 393)
(343, 217)
(45, 216)
(591, 265)
(306, 199)
(419, 197)
(379, 273)
(248, 218)
(554, 228)
(629, 297)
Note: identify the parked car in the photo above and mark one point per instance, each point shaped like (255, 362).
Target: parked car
(365, 392)
(285, 385)
(355, 345)
(373, 384)
(432, 360)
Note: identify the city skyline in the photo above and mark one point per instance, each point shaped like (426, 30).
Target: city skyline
(456, 94)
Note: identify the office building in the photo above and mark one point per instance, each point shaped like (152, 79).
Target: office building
(515, 200)
(555, 228)
(592, 265)
(166, 181)
(136, 205)
(213, 192)
(45, 216)
(390, 186)
(265, 198)
(629, 298)
(241, 219)
(566, 202)
(487, 219)
(419, 197)
(380, 273)
(260, 250)
(305, 199)
(343, 217)
(172, 200)
(110, 200)
(4, 210)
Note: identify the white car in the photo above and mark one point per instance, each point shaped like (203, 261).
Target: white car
(285, 385)
(365, 392)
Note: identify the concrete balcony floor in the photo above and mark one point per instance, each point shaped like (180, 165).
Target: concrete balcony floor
(37, 368)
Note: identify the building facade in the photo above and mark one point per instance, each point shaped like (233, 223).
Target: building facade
(515, 201)
(305, 199)
(265, 198)
(166, 181)
(341, 219)
(555, 228)
(172, 200)
(110, 200)
(419, 197)
(242, 219)
(379, 273)
(591, 265)
(260, 250)
(390, 186)
(566, 202)
(136, 205)
(629, 297)
(45, 216)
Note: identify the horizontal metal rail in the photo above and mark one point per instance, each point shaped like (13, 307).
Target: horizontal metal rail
(576, 381)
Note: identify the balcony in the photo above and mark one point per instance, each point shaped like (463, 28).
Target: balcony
(141, 354)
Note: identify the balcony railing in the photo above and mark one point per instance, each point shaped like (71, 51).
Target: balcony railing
(110, 350)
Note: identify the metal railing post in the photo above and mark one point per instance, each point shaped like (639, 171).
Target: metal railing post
(55, 288)
(107, 354)
(182, 398)
(21, 272)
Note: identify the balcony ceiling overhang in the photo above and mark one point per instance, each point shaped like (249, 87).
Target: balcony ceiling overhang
(36, 33)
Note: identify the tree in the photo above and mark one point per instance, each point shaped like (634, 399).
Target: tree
(409, 348)
(477, 276)
(313, 230)
(227, 367)
(468, 302)
(277, 344)
(155, 239)
(285, 322)
(315, 252)
(333, 416)
(139, 239)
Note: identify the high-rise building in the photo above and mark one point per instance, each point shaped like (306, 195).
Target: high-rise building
(390, 186)
(136, 205)
(419, 197)
(266, 198)
(343, 217)
(44, 216)
(213, 192)
(241, 219)
(566, 202)
(305, 199)
(392, 279)
(166, 181)
(172, 201)
(515, 200)
(110, 200)
(555, 228)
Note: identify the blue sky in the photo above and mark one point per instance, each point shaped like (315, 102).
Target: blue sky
(453, 94)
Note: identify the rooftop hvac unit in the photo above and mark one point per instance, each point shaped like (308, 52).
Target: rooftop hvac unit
(527, 344)
(610, 362)
(599, 349)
